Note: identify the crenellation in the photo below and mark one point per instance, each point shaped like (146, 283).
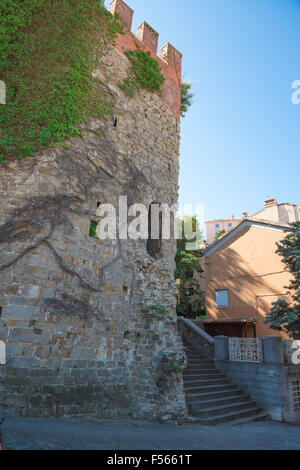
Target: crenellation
(148, 36)
(124, 11)
(170, 59)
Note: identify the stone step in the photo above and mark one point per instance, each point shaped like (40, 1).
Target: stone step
(197, 365)
(258, 417)
(195, 396)
(197, 386)
(196, 354)
(189, 378)
(216, 411)
(212, 398)
(223, 401)
(221, 394)
(213, 388)
(192, 360)
(198, 371)
(195, 360)
(232, 416)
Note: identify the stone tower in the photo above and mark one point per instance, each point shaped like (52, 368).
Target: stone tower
(75, 311)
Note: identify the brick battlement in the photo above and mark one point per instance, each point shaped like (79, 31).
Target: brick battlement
(147, 39)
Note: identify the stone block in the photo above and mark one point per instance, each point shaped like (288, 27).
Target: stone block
(272, 350)
(20, 312)
(221, 348)
(28, 335)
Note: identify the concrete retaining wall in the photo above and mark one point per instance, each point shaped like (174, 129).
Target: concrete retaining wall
(268, 382)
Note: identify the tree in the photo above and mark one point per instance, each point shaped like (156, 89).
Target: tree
(186, 97)
(220, 234)
(284, 315)
(191, 299)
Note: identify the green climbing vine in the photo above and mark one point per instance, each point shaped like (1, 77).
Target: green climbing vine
(48, 50)
(174, 368)
(159, 309)
(186, 97)
(143, 73)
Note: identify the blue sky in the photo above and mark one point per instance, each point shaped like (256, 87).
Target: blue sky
(241, 139)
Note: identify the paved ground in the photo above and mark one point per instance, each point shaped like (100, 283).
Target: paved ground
(69, 434)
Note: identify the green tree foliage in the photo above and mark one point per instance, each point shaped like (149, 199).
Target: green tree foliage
(143, 73)
(191, 299)
(48, 50)
(186, 97)
(220, 234)
(284, 315)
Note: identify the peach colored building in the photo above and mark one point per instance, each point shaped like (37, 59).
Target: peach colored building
(285, 212)
(244, 276)
(212, 227)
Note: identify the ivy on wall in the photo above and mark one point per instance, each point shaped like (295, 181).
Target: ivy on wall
(186, 97)
(48, 50)
(143, 73)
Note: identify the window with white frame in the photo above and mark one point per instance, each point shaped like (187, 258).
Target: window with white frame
(222, 298)
(295, 386)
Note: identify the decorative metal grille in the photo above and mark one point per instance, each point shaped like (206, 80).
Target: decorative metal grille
(245, 350)
(295, 386)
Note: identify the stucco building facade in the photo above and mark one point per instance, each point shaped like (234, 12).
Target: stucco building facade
(213, 227)
(284, 212)
(244, 276)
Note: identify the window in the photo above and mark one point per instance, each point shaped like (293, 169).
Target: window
(222, 298)
(217, 225)
(154, 244)
(93, 229)
(295, 385)
(93, 224)
(229, 225)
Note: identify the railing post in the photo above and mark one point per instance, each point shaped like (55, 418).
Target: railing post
(221, 348)
(272, 348)
(2, 353)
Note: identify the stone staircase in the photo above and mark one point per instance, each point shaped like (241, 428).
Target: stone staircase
(212, 398)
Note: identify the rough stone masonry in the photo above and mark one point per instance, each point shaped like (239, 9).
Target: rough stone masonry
(75, 311)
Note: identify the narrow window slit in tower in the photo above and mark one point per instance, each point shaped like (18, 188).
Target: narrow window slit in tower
(115, 123)
(93, 229)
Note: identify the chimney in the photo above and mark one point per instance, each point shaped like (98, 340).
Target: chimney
(271, 202)
(148, 36)
(172, 57)
(124, 11)
(245, 214)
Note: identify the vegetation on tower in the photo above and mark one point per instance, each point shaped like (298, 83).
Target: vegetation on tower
(48, 50)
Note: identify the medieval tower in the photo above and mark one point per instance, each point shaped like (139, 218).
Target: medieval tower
(76, 313)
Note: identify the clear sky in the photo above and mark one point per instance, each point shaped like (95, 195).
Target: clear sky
(241, 139)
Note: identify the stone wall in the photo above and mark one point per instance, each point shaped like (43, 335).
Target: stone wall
(81, 337)
(268, 382)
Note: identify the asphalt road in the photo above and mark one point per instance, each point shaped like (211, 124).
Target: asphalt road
(83, 434)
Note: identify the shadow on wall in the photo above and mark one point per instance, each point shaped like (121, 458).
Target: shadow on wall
(251, 291)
